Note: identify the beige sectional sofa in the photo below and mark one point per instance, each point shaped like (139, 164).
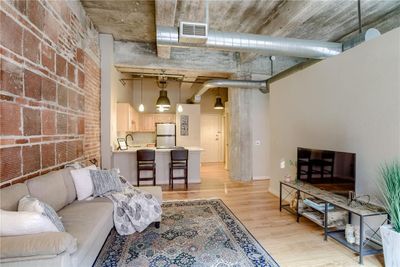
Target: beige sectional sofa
(87, 224)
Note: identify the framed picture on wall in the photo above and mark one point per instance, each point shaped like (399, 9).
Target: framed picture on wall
(184, 125)
(122, 144)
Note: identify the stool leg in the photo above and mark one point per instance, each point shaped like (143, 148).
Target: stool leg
(186, 178)
(138, 176)
(154, 176)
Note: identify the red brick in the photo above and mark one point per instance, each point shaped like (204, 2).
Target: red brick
(80, 56)
(48, 122)
(61, 152)
(31, 46)
(10, 162)
(22, 141)
(81, 102)
(51, 26)
(48, 57)
(49, 91)
(36, 13)
(81, 125)
(81, 79)
(7, 98)
(71, 72)
(71, 150)
(73, 99)
(72, 124)
(10, 119)
(62, 123)
(11, 33)
(33, 85)
(62, 95)
(61, 66)
(20, 5)
(32, 124)
(31, 158)
(79, 148)
(12, 78)
(48, 155)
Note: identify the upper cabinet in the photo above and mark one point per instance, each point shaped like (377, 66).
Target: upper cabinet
(127, 118)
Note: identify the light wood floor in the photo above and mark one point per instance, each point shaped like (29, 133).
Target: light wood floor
(290, 243)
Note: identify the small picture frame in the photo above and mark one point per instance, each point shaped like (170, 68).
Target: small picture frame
(122, 144)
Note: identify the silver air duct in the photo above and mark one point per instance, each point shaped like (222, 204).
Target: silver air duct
(261, 85)
(243, 42)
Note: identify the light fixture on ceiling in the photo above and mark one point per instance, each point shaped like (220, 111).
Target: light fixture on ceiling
(218, 101)
(163, 102)
(180, 108)
(141, 106)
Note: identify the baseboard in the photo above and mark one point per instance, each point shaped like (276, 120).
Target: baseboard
(256, 178)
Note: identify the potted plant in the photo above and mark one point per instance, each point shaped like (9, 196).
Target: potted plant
(391, 195)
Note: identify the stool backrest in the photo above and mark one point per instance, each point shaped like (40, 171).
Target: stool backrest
(179, 154)
(146, 155)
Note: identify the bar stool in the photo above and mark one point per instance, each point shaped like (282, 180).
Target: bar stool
(146, 162)
(179, 161)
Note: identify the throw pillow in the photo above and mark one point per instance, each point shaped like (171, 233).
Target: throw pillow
(105, 181)
(24, 223)
(83, 182)
(28, 203)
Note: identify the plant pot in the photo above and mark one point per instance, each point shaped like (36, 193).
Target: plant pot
(391, 245)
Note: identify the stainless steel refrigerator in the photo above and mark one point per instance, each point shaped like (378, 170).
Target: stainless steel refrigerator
(165, 135)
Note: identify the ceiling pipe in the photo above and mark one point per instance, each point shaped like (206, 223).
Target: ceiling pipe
(243, 42)
(244, 84)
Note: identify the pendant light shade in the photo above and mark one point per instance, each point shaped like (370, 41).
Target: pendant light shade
(180, 108)
(218, 103)
(141, 108)
(163, 100)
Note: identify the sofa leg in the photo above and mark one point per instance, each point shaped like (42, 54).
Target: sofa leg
(157, 224)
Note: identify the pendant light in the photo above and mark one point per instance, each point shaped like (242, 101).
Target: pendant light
(218, 102)
(163, 102)
(180, 108)
(141, 106)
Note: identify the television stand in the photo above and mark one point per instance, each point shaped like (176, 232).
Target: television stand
(368, 246)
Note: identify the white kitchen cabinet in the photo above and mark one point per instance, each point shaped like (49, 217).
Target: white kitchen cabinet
(164, 118)
(127, 118)
(147, 121)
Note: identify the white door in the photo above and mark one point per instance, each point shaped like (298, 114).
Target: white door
(212, 138)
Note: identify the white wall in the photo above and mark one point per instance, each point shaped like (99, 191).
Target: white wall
(350, 102)
(193, 139)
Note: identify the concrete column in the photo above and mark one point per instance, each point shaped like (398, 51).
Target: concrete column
(241, 137)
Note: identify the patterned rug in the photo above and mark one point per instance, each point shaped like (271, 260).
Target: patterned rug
(192, 233)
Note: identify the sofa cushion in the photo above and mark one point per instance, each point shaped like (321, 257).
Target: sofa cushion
(10, 196)
(69, 184)
(37, 244)
(87, 220)
(49, 188)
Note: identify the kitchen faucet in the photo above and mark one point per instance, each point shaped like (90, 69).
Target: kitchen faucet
(126, 138)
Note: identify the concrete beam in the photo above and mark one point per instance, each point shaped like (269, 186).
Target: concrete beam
(144, 55)
(165, 16)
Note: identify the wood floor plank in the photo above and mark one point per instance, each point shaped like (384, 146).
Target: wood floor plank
(290, 243)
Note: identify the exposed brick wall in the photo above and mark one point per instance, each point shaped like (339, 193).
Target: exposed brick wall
(50, 88)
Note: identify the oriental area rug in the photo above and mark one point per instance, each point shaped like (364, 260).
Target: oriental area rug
(192, 233)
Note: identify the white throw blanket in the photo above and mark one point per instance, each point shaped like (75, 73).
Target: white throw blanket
(134, 210)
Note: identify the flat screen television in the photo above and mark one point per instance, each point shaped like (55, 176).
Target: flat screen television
(328, 170)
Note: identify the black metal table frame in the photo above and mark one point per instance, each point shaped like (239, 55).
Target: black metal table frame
(326, 228)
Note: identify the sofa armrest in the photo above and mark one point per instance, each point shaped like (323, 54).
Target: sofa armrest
(43, 244)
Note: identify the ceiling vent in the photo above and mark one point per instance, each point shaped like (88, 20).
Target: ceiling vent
(193, 32)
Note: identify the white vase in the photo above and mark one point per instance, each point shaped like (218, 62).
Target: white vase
(391, 245)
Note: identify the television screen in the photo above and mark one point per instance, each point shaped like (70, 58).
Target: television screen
(328, 170)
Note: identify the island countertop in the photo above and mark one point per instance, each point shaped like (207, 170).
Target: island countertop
(161, 150)
(126, 162)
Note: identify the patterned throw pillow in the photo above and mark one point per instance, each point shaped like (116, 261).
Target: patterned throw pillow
(105, 181)
(28, 203)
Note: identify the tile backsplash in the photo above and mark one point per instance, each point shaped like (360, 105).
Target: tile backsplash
(143, 138)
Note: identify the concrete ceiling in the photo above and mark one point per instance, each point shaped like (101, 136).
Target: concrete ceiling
(329, 20)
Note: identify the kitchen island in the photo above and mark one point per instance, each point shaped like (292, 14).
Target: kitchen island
(126, 162)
